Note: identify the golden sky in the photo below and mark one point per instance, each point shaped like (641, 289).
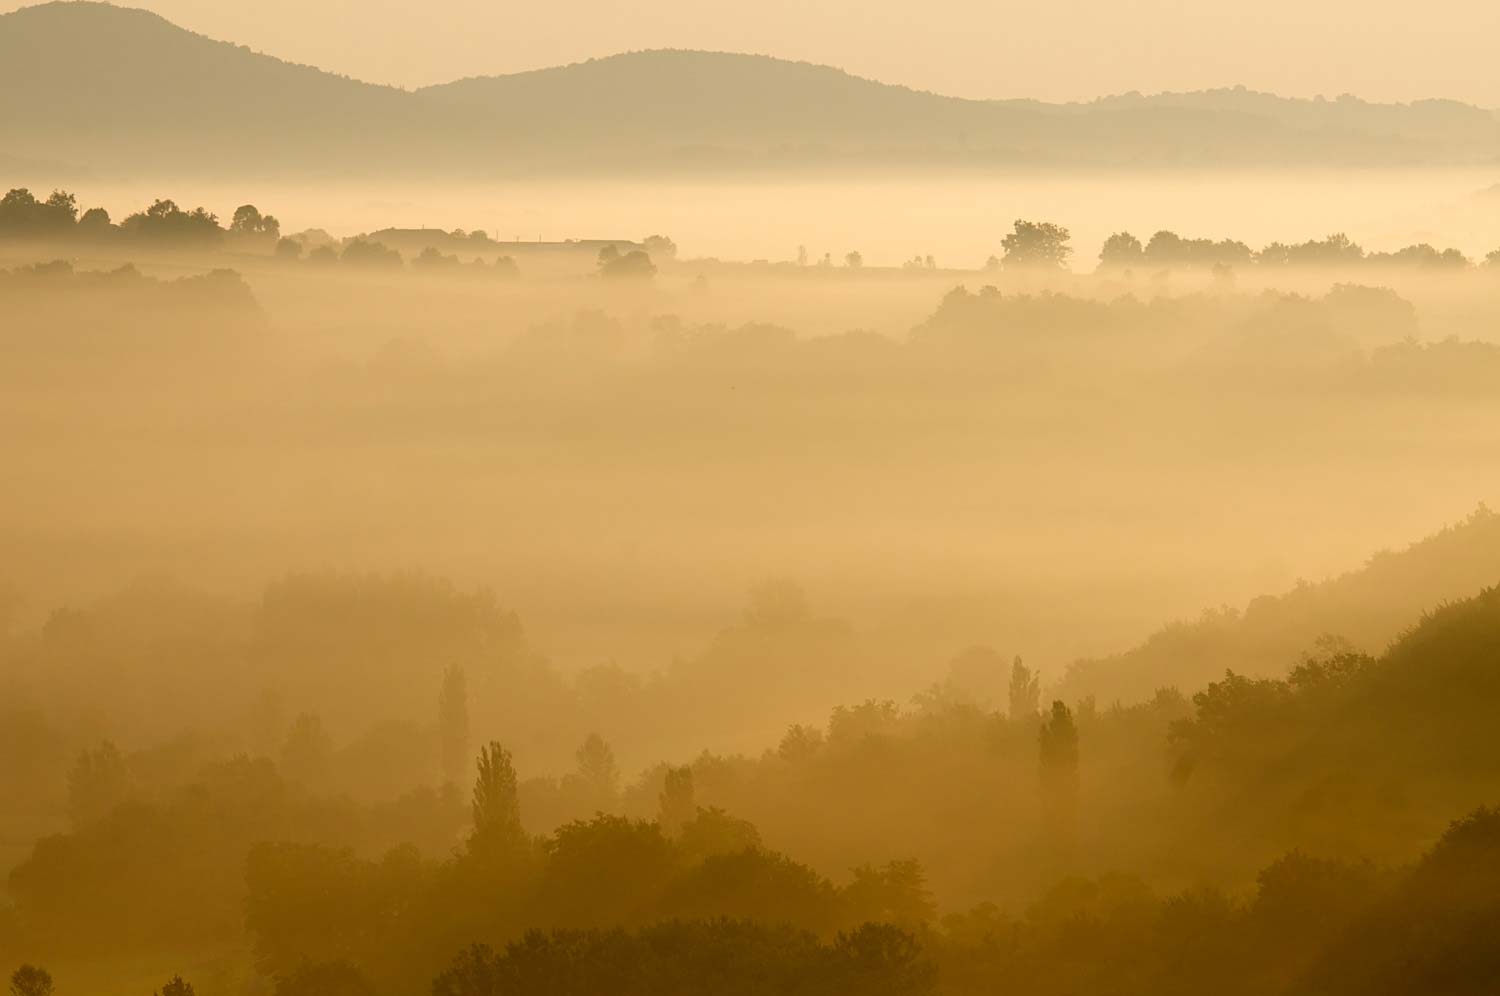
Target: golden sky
(1052, 49)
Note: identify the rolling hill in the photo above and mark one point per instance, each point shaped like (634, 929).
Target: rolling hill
(104, 86)
(115, 89)
(1369, 608)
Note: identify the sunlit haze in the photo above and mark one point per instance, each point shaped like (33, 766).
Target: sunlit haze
(580, 499)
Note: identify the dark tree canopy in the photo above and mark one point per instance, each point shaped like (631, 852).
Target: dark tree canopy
(29, 980)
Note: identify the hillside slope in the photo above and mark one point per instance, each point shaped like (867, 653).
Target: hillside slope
(1368, 607)
(92, 83)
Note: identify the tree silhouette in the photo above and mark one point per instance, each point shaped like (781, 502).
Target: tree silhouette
(23, 215)
(605, 871)
(713, 831)
(894, 893)
(597, 769)
(1121, 250)
(1336, 250)
(165, 222)
(432, 258)
(62, 208)
(1057, 742)
(881, 959)
(496, 807)
(1025, 691)
(248, 221)
(799, 743)
(633, 265)
(1170, 249)
(1037, 245)
(176, 986)
(660, 247)
(95, 222)
(28, 980)
(326, 978)
(364, 252)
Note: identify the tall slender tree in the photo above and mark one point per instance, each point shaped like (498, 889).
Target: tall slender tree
(1025, 691)
(1057, 744)
(497, 808)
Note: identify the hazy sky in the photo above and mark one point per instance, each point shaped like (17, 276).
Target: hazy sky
(1057, 49)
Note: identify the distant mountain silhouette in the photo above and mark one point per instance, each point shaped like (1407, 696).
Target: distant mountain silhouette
(99, 85)
(721, 100)
(114, 89)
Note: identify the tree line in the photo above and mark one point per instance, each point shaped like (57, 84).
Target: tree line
(1047, 246)
(24, 216)
(164, 224)
(1030, 245)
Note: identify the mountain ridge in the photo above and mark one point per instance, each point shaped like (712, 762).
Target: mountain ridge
(122, 88)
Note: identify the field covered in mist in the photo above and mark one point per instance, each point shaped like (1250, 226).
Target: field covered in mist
(982, 605)
(698, 523)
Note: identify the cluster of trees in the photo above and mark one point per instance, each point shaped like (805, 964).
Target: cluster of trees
(436, 261)
(1037, 245)
(1311, 924)
(24, 216)
(1045, 246)
(371, 254)
(1353, 339)
(60, 289)
(1030, 245)
(715, 956)
(1335, 746)
(242, 844)
(326, 924)
(1167, 249)
(633, 265)
(992, 784)
(308, 631)
(29, 980)
(165, 224)
(389, 896)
